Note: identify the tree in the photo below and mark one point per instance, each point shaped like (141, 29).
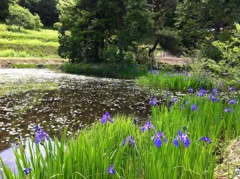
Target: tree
(46, 9)
(166, 33)
(227, 68)
(4, 10)
(89, 27)
(22, 17)
(196, 19)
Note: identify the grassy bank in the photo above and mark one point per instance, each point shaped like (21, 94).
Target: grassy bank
(124, 71)
(28, 43)
(175, 81)
(120, 148)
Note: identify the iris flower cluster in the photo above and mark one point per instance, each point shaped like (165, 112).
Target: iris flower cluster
(213, 96)
(182, 138)
(202, 92)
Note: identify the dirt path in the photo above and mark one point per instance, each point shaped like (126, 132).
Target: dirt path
(8, 62)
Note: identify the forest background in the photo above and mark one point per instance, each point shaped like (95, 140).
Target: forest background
(128, 31)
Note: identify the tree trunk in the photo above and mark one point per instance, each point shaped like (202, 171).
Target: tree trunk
(85, 52)
(95, 52)
(120, 26)
(157, 41)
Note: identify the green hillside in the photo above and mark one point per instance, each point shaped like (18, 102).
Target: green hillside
(28, 43)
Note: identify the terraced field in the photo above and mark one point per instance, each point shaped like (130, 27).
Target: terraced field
(28, 43)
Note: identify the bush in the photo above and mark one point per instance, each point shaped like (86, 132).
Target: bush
(22, 17)
(57, 25)
(228, 67)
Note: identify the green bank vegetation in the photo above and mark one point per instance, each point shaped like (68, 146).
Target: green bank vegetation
(28, 43)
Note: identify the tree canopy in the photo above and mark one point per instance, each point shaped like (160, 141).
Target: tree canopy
(4, 9)
(22, 17)
(46, 9)
(90, 28)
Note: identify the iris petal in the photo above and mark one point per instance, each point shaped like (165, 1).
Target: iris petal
(158, 142)
(175, 141)
(186, 142)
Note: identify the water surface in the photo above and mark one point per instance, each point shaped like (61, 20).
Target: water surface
(80, 100)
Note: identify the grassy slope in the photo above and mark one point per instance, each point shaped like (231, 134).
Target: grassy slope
(28, 43)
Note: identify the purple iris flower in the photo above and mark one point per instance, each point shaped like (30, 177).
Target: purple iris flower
(232, 101)
(130, 140)
(184, 104)
(172, 101)
(183, 138)
(111, 170)
(170, 74)
(40, 136)
(148, 126)
(213, 98)
(215, 91)
(228, 109)
(158, 139)
(153, 101)
(155, 72)
(185, 73)
(37, 128)
(190, 90)
(106, 117)
(27, 170)
(134, 121)
(202, 92)
(205, 139)
(231, 88)
(194, 107)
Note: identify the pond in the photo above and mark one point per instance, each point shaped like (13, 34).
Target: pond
(79, 100)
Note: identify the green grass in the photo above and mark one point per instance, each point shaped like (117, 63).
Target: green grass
(89, 153)
(31, 65)
(174, 81)
(13, 53)
(31, 43)
(123, 71)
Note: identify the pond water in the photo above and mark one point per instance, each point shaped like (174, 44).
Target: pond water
(79, 101)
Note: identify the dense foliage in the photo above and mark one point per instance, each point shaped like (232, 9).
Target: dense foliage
(97, 29)
(228, 64)
(4, 10)
(22, 18)
(105, 30)
(46, 9)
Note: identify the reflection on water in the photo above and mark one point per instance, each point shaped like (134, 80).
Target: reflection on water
(80, 100)
(8, 156)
